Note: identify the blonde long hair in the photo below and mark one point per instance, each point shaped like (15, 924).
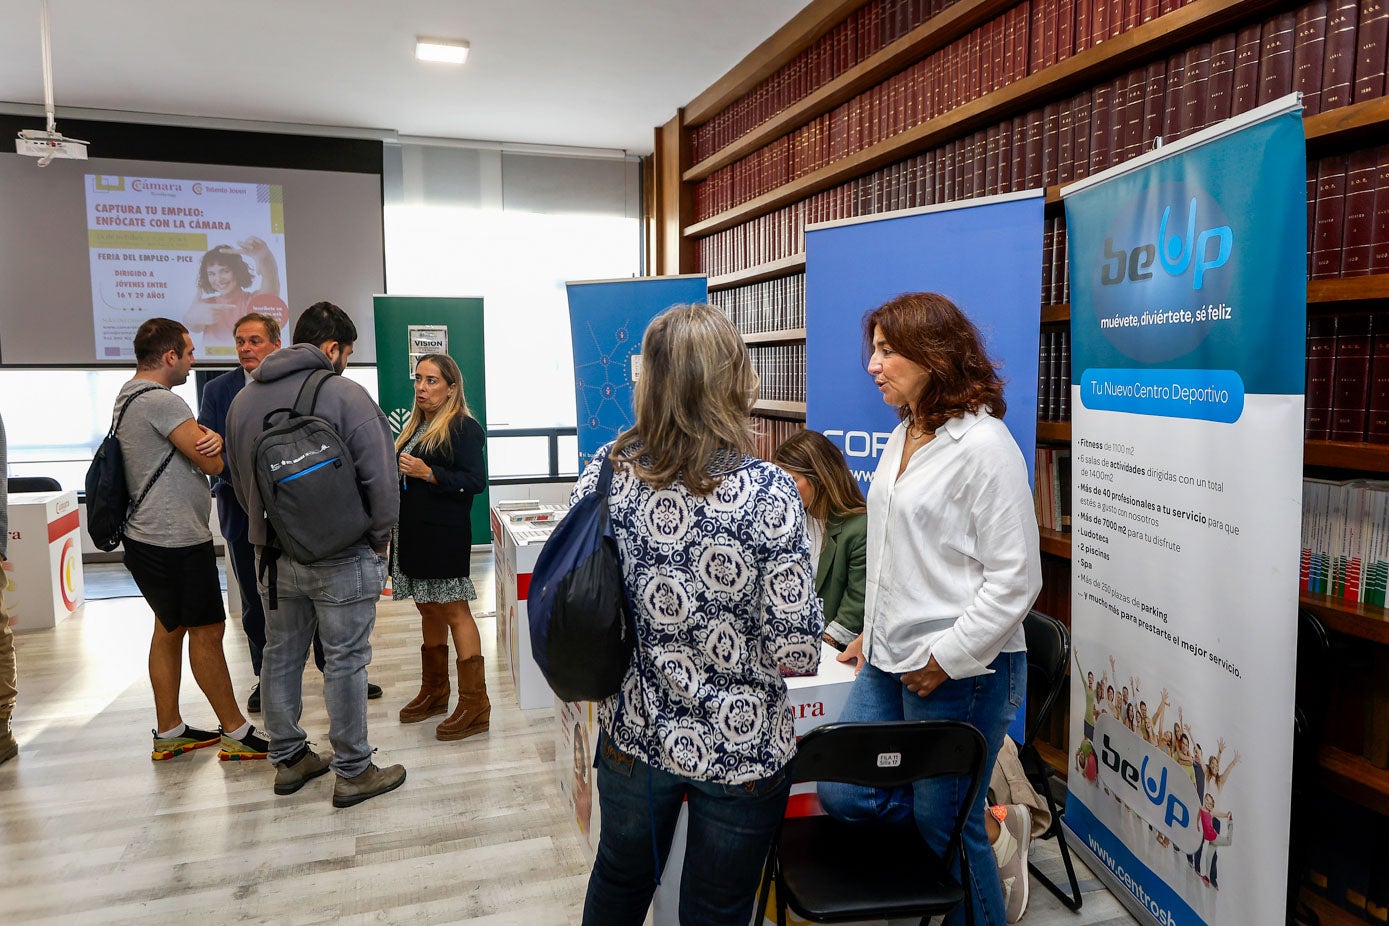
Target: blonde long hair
(436, 436)
(692, 400)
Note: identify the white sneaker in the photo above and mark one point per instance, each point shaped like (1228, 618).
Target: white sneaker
(1012, 867)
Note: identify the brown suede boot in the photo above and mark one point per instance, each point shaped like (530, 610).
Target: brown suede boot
(434, 689)
(474, 711)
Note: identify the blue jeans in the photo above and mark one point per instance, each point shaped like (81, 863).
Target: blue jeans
(731, 830)
(989, 703)
(337, 597)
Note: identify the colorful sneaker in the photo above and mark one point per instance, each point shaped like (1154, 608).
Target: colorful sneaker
(1012, 868)
(166, 747)
(250, 746)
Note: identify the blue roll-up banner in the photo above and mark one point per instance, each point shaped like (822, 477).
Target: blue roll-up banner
(607, 320)
(985, 254)
(1188, 320)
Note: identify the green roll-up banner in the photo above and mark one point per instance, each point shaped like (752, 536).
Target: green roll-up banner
(407, 326)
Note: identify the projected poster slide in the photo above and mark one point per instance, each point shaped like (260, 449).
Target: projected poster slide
(202, 252)
(1188, 321)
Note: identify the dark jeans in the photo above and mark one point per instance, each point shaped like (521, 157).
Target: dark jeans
(731, 829)
(988, 702)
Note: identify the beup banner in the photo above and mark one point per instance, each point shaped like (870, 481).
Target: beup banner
(607, 320)
(408, 327)
(985, 254)
(1188, 319)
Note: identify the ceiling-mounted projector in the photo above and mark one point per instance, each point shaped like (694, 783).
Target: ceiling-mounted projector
(49, 145)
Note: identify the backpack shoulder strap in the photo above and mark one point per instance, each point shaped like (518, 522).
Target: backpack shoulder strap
(308, 392)
(605, 479)
(120, 416)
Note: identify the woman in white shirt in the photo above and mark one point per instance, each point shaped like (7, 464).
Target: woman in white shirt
(953, 568)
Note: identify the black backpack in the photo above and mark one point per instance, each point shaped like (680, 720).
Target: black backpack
(581, 630)
(308, 484)
(109, 507)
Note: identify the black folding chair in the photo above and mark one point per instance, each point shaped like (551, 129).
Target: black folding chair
(17, 484)
(1048, 652)
(832, 872)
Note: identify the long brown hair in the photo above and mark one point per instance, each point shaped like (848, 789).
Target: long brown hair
(931, 331)
(436, 436)
(692, 400)
(811, 454)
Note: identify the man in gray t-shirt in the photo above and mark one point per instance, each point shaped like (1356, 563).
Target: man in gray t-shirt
(168, 545)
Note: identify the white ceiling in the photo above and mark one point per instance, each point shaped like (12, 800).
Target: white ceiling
(593, 73)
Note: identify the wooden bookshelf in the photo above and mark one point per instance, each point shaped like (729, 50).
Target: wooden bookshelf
(759, 273)
(1052, 756)
(817, 19)
(1348, 289)
(783, 336)
(1056, 543)
(935, 33)
(1372, 458)
(1111, 57)
(1365, 120)
(1355, 779)
(793, 410)
(1054, 314)
(1352, 618)
(1328, 913)
(1054, 432)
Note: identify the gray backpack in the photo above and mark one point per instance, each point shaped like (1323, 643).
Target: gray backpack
(308, 485)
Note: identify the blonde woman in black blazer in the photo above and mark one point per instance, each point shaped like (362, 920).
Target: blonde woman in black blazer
(441, 469)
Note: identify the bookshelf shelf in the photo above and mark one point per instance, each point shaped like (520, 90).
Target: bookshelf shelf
(1052, 756)
(1054, 432)
(784, 336)
(792, 410)
(936, 33)
(1111, 57)
(1056, 543)
(1348, 289)
(1354, 778)
(1328, 913)
(761, 272)
(1053, 314)
(1372, 458)
(817, 19)
(1366, 622)
(1348, 123)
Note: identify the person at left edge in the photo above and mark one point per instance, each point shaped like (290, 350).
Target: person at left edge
(168, 545)
(257, 337)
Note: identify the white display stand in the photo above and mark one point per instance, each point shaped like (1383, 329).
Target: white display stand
(44, 570)
(816, 700)
(516, 546)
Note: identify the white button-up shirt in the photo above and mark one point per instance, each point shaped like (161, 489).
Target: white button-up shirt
(954, 561)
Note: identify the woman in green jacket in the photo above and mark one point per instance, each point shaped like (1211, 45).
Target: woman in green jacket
(837, 526)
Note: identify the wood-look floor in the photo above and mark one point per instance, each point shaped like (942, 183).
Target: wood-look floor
(92, 831)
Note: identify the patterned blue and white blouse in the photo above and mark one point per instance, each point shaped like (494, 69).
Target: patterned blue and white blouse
(722, 594)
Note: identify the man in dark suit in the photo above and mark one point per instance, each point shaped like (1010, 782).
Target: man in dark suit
(257, 337)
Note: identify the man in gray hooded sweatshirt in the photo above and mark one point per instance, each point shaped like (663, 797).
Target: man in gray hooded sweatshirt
(338, 595)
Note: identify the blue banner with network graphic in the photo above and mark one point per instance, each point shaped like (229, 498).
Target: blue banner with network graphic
(1188, 321)
(985, 254)
(607, 319)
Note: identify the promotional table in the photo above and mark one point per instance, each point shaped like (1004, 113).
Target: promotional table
(517, 536)
(44, 570)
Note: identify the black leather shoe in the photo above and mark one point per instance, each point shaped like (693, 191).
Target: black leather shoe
(253, 702)
(373, 691)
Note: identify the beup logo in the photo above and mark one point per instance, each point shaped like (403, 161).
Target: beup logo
(1177, 250)
(1168, 250)
(1149, 782)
